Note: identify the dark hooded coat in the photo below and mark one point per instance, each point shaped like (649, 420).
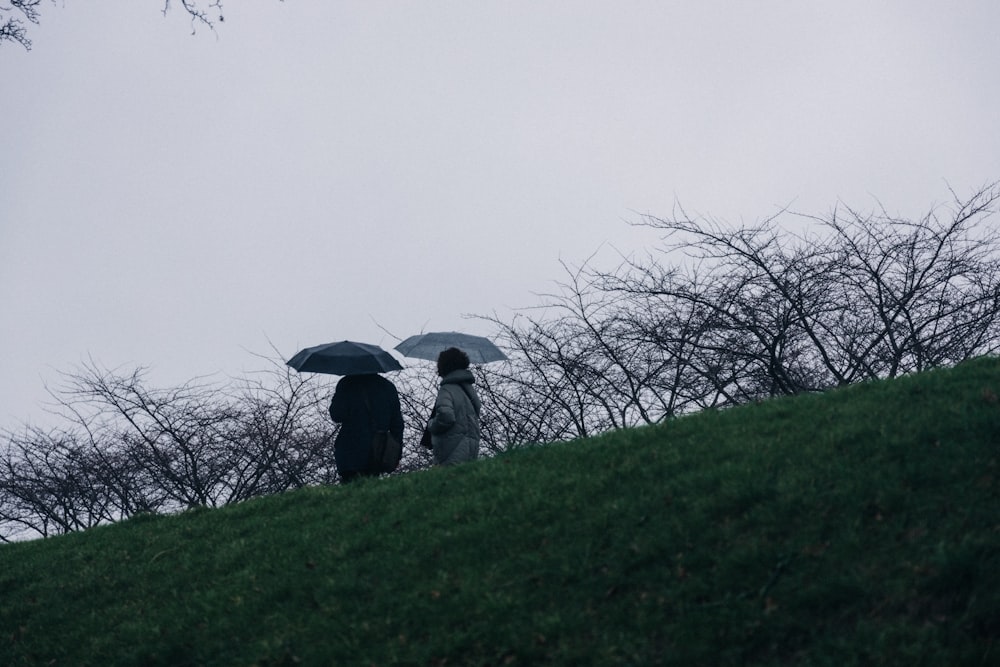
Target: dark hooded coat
(362, 404)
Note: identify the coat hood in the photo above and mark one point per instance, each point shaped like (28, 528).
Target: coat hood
(459, 377)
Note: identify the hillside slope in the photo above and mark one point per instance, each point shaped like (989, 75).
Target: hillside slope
(856, 527)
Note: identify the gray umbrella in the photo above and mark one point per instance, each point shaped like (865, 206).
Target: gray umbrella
(344, 358)
(430, 345)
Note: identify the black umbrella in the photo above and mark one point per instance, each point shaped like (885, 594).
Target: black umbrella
(344, 358)
(430, 345)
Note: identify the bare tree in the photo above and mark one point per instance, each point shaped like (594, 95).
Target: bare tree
(724, 315)
(594, 357)
(283, 438)
(49, 485)
(180, 435)
(12, 18)
(922, 293)
(867, 296)
(14, 29)
(130, 448)
(751, 296)
(574, 372)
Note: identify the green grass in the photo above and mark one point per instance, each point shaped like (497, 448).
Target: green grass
(857, 527)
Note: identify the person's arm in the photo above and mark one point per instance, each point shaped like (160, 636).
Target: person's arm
(444, 413)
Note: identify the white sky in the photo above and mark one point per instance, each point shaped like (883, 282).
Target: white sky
(317, 168)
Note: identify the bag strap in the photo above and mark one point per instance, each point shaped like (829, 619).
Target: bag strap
(469, 396)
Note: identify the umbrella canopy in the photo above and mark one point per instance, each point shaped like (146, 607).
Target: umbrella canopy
(344, 358)
(430, 345)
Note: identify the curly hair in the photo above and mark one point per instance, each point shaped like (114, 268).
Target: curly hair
(452, 359)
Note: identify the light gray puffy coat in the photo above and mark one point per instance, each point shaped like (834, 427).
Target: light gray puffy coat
(454, 425)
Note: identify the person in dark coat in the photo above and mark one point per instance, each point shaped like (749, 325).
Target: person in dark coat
(454, 423)
(363, 404)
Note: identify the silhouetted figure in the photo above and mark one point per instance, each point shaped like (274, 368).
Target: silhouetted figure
(362, 404)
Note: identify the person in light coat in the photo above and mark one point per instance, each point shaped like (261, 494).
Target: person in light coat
(454, 423)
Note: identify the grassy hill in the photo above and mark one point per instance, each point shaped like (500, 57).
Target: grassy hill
(857, 527)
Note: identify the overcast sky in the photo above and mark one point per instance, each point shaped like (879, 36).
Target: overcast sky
(318, 171)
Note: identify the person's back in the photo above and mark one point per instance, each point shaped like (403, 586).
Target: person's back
(362, 404)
